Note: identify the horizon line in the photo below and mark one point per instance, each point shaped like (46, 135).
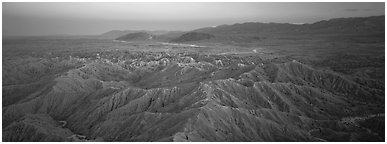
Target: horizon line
(300, 23)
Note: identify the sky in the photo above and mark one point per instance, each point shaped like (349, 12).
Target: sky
(27, 19)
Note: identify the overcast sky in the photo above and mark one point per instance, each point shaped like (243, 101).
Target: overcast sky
(96, 18)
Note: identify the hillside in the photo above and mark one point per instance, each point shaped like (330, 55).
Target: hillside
(373, 24)
(140, 36)
(193, 36)
(252, 32)
(187, 97)
(255, 32)
(118, 33)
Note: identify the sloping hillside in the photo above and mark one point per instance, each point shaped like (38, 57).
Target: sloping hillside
(251, 32)
(248, 28)
(340, 29)
(193, 36)
(140, 36)
(118, 33)
(136, 96)
(359, 25)
(374, 24)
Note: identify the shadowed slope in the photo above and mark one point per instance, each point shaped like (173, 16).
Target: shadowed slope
(200, 98)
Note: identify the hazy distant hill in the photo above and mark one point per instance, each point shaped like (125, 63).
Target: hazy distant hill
(118, 33)
(247, 28)
(193, 36)
(256, 32)
(372, 24)
(339, 25)
(139, 36)
(115, 34)
(169, 36)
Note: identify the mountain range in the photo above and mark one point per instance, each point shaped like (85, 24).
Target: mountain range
(105, 90)
(255, 31)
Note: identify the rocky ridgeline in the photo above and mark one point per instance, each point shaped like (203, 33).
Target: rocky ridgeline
(143, 96)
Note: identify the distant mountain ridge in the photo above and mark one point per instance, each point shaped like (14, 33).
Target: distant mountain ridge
(193, 36)
(337, 25)
(350, 25)
(139, 36)
(118, 33)
(255, 31)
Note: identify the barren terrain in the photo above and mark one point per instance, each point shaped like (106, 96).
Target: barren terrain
(212, 84)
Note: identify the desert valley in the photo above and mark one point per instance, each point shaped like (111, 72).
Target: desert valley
(251, 81)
